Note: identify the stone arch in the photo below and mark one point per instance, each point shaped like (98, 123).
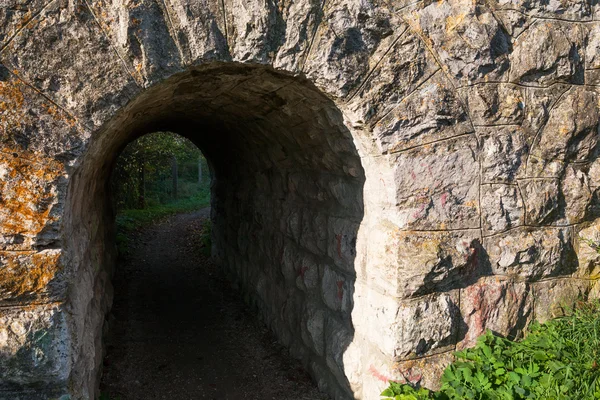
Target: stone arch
(479, 150)
(286, 208)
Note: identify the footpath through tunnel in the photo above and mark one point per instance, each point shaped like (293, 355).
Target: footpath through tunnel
(286, 206)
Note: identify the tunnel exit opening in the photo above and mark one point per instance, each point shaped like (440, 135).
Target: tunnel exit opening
(286, 207)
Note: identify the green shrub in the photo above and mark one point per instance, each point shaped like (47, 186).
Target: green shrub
(556, 360)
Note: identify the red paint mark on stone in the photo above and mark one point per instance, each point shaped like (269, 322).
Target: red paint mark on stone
(340, 290)
(444, 199)
(378, 374)
(338, 237)
(413, 175)
(302, 271)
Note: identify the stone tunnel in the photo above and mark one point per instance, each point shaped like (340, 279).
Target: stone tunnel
(391, 179)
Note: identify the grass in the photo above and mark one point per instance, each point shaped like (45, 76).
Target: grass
(556, 360)
(129, 221)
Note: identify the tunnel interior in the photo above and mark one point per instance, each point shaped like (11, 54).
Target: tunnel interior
(286, 207)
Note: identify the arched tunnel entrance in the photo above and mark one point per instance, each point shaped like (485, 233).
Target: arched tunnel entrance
(287, 204)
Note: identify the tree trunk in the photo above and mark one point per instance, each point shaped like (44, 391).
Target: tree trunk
(174, 175)
(199, 170)
(141, 183)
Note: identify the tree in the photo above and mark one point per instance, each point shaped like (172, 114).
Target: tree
(151, 167)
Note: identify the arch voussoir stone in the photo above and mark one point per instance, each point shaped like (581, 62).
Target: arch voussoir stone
(390, 180)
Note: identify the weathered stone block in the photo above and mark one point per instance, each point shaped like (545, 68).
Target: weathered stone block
(31, 201)
(81, 71)
(432, 261)
(588, 250)
(351, 38)
(425, 371)
(548, 52)
(429, 325)
(504, 153)
(430, 113)
(31, 276)
(140, 34)
(556, 297)
(466, 38)
(337, 290)
(407, 66)
(571, 134)
(438, 185)
(501, 208)
(531, 253)
(35, 348)
(542, 201)
(503, 306)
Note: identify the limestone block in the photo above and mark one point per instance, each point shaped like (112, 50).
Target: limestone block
(80, 72)
(351, 38)
(531, 253)
(313, 329)
(31, 276)
(138, 30)
(504, 153)
(548, 52)
(574, 10)
(577, 194)
(338, 336)
(374, 317)
(425, 371)
(556, 297)
(438, 185)
(198, 27)
(503, 306)
(343, 236)
(542, 201)
(429, 325)
(495, 103)
(35, 347)
(31, 123)
(592, 53)
(571, 133)
(501, 208)
(406, 66)
(467, 39)
(31, 202)
(588, 245)
(337, 290)
(301, 20)
(434, 261)
(430, 113)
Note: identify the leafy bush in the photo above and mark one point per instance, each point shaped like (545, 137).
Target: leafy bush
(557, 360)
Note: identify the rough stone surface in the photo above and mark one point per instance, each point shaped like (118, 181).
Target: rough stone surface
(371, 160)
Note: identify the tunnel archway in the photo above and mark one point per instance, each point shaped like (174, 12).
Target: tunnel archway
(287, 204)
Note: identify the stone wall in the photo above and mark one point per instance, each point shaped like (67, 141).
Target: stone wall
(391, 178)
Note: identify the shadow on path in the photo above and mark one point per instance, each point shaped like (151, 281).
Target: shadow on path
(179, 332)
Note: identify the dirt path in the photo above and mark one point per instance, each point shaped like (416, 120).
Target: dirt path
(180, 333)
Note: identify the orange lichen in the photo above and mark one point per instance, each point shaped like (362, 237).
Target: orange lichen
(27, 273)
(11, 104)
(26, 184)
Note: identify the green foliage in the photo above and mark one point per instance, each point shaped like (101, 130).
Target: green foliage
(557, 360)
(142, 175)
(129, 221)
